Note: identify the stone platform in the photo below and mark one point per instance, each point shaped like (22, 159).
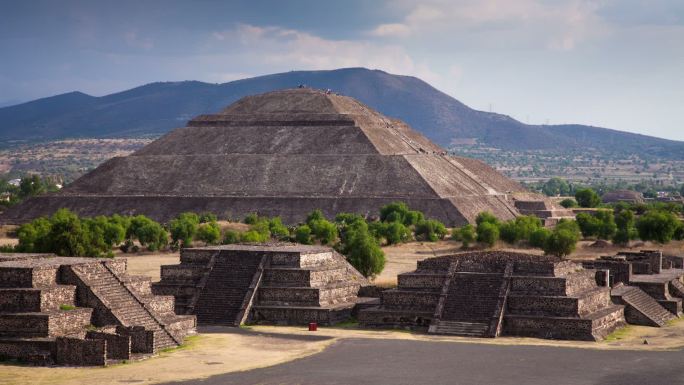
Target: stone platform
(488, 294)
(81, 311)
(275, 284)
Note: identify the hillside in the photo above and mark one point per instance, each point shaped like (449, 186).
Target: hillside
(159, 107)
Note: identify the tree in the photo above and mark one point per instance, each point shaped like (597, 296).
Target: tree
(148, 232)
(606, 224)
(568, 203)
(430, 230)
(538, 237)
(34, 236)
(394, 232)
(230, 237)
(303, 234)
(555, 187)
(400, 212)
(184, 228)
(251, 219)
(588, 224)
(624, 220)
(324, 231)
(486, 216)
(519, 228)
(362, 250)
(657, 226)
(278, 229)
(254, 236)
(209, 233)
(207, 217)
(467, 235)
(587, 198)
(561, 242)
(487, 233)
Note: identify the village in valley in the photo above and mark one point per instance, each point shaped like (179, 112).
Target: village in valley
(347, 226)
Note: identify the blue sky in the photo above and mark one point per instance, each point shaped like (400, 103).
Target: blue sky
(612, 63)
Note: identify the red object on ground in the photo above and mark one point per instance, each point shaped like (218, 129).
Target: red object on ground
(313, 326)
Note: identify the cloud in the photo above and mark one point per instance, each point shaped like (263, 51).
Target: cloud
(528, 23)
(276, 47)
(132, 39)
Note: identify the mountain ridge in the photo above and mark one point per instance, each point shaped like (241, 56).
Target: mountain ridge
(158, 107)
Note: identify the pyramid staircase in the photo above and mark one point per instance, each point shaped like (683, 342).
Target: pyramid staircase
(640, 308)
(82, 311)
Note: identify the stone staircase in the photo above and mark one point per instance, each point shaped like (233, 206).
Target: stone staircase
(677, 288)
(123, 304)
(225, 290)
(641, 308)
(471, 303)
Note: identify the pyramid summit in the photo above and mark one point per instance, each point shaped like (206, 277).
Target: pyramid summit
(286, 153)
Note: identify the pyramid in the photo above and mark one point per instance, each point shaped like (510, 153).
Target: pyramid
(287, 153)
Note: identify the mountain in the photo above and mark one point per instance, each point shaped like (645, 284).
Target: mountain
(159, 107)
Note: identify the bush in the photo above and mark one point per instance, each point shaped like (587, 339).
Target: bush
(519, 228)
(315, 215)
(556, 186)
(324, 231)
(430, 230)
(399, 212)
(253, 236)
(396, 232)
(508, 232)
(561, 242)
(345, 219)
(587, 198)
(487, 233)
(303, 234)
(568, 203)
(467, 235)
(278, 229)
(588, 224)
(148, 232)
(679, 231)
(207, 217)
(209, 233)
(486, 216)
(606, 224)
(251, 219)
(184, 228)
(538, 237)
(657, 226)
(362, 250)
(230, 237)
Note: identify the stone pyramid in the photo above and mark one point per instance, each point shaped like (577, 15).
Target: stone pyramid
(286, 153)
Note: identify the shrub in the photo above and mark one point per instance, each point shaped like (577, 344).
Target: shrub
(486, 216)
(487, 233)
(278, 229)
(679, 231)
(657, 226)
(207, 217)
(430, 230)
(253, 236)
(561, 242)
(362, 250)
(346, 219)
(148, 232)
(467, 235)
(230, 237)
(400, 212)
(508, 232)
(324, 231)
(538, 237)
(251, 219)
(606, 224)
(315, 215)
(209, 233)
(184, 228)
(556, 186)
(303, 234)
(396, 232)
(568, 203)
(588, 224)
(587, 198)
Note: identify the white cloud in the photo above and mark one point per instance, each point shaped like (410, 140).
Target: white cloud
(393, 29)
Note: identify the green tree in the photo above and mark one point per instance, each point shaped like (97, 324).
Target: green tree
(324, 231)
(149, 233)
(68, 236)
(230, 237)
(34, 236)
(568, 203)
(538, 237)
(486, 216)
(209, 233)
(587, 198)
(624, 220)
(606, 224)
(251, 219)
(430, 230)
(184, 228)
(207, 217)
(467, 235)
(487, 233)
(588, 224)
(400, 212)
(561, 242)
(303, 234)
(362, 250)
(278, 229)
(556, 186)
(657, 226)
(254, 236)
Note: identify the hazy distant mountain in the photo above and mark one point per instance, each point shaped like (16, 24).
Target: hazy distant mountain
(159, 107)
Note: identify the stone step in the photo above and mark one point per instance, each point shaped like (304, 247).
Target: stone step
(458, 328)
(645, 306)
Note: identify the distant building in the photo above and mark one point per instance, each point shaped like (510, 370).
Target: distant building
(628, 196)
(15, 182)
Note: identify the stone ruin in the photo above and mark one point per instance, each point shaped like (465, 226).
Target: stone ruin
(82, 311)
(274, 284)
(492, 293)
(286, 153)
(648, 283)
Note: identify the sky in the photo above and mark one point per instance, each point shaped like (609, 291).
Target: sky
(608, 63)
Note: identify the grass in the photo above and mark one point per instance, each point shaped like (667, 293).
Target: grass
(188, 343)
(619, 334)
(67, 307)
(351, 323)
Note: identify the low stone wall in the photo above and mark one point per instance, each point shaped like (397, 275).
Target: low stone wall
(142, 341)
(74, 351)
(118, 347)
(409, 299)
(421, 280)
